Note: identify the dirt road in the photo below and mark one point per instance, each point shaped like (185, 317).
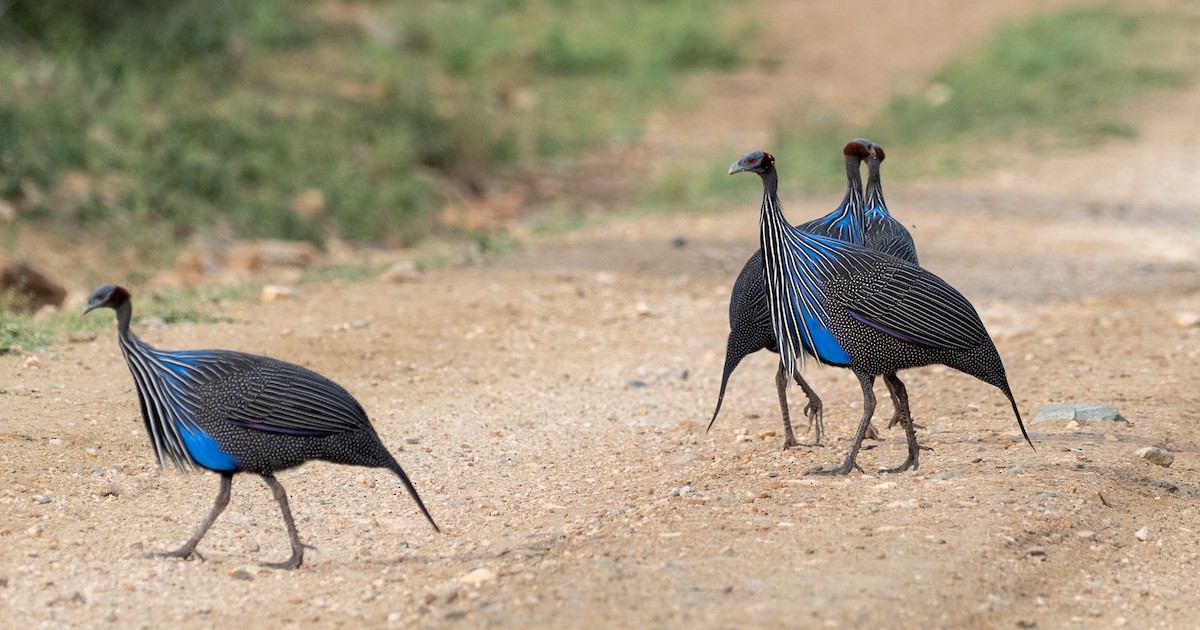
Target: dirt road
(550, 406)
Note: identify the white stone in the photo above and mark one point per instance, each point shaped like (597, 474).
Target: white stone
(1156, 455)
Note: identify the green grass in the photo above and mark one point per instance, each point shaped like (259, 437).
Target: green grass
(1057, 78)
(22, 332)
(148, 122)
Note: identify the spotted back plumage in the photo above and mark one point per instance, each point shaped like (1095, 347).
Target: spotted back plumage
(234, 412)
(829, 296)
(188, 394)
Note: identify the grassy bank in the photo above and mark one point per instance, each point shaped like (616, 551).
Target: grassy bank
(144, 122)
(1058, 78)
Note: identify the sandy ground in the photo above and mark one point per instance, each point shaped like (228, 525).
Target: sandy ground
(550, 406)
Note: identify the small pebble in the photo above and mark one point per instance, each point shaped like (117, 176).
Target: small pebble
(1082, 412)
(444, 593)
(3, 580)
(32, 362)
(1016, 470)
(1141, 534)
(477, 577)
(241, 573)
(41, 498)
(412, 439)
(1186, 319)
(394, 617)
(275, 293)
(1086, 534)
(1037, 552)
(1156, 455)
(1165, 484)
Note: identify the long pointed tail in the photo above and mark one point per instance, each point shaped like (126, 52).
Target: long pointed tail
(412, 491)
(732, 359)
(1020, 423)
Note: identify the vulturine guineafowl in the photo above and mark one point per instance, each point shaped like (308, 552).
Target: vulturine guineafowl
(875, 314)
(750, 327)
(231, 412)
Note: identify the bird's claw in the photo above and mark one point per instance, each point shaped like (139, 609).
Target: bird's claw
(844, 469)
(908, 463)
(898, 419)
(183, 553)
(291, 563)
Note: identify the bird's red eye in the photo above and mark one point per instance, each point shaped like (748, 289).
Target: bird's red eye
(753, 160)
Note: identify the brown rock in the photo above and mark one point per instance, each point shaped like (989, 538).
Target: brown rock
(31, 288)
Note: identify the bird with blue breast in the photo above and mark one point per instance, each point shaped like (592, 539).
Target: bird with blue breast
(864, 310)
(750, 328)
(232, 412)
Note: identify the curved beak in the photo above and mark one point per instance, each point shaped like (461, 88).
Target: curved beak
(88, 308)
(736, 167)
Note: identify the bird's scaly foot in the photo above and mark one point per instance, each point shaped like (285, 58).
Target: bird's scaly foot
(897, 419)
(291, 563)
(909, 462)
(815, 414)
(872, 433)
(183, 553)
(844, 469)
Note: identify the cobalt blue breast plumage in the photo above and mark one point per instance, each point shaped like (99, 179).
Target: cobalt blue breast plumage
(233, 412)
(750, 328)
(865, 310)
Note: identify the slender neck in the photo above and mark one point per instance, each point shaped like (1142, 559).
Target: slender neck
(852, 202)
(124, 315)
(875, 186)
(772, 213)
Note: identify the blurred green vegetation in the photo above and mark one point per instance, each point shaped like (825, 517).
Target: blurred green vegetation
(24, 332)
(1057, 78)
(145, 122)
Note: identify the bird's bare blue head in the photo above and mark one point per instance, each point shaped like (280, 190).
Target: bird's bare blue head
(106, 296)
(753, 162)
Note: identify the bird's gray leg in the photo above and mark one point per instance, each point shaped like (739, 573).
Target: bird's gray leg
(189, 548)
(868, 385)
(900, 396)
(896, 415)
(814, 410)
(781, 383)
(297, 547)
